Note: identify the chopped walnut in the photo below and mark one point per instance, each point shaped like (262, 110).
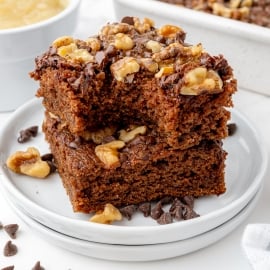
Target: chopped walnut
(98, 136)
(235, 11)
(143, 26)
(94, 43)
(73, 53)
(123, 42)
(123, 67)
(149, 64)
(166, 70)
(63, 41)
(169, 52)
(153, 45)
(169, 31)
(107, 216)
(127, 136)
(108, 153)
(200, 80)
(29, 163)
(112, 29)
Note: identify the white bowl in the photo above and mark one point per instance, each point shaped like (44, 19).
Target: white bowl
(18, 49)
(245, 46)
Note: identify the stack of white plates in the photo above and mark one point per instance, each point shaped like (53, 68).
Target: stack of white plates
(44, 205)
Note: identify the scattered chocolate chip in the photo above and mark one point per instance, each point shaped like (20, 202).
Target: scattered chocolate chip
(157, 211)
(53, 167)
(38, 266)
(11, 267)
(11, 230)
(47, 157)
(128, 20)
(189, 213)
(165, 218)
(26, 134)
(177, 212)
(10, 249)
(145, 208)
(231, 129)
(1, 226)
(128, 211)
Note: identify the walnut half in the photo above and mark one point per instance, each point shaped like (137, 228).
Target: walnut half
(29, 163)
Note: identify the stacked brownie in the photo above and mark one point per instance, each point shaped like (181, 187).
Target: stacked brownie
(135, 114)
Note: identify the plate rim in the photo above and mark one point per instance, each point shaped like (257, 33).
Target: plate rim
(230, 226)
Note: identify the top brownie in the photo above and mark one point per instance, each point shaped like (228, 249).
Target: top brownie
(133, 74)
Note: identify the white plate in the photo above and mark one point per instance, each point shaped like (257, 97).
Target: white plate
(138, 253)
(46, 200)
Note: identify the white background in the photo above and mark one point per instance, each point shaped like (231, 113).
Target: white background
(225, 254)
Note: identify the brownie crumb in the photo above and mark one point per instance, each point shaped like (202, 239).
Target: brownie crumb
(10, 249)
(38, 266)
(27, 134)
(10, 267)
(11, 230)
(231, 129)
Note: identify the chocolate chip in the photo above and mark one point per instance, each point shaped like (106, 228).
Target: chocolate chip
(10, 249)
(52, 165)
(231, 129)
(189, 213)
(129, 20)
(1, 226)
(157, 211)
(165, 218)
(38, 266)
(47, 157)
(11, 230)
(26, 134)
(177, 212)
(145, 208)
(128, 211)
(11, 267)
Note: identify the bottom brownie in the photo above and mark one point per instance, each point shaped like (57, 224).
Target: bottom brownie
(147, 170)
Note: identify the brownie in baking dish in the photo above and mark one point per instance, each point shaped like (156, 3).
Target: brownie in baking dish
(146, 169)
(132, 73)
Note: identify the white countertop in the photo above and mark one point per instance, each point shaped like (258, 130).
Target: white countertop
(225, 254)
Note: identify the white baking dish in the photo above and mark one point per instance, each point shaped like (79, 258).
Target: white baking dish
(245, 46)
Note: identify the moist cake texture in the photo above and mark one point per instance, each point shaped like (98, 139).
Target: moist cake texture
(134, 114)
(148, 170)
